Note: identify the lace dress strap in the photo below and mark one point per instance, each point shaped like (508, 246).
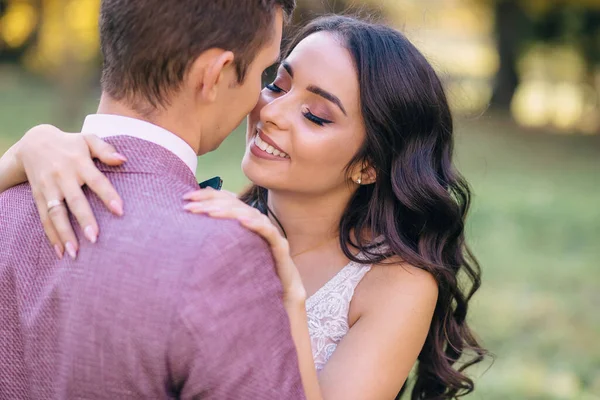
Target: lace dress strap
(347, 279)
(328, 309)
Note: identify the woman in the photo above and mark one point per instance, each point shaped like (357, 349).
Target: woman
(350, 152)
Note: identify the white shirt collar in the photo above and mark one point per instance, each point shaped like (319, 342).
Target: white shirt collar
(106, 125)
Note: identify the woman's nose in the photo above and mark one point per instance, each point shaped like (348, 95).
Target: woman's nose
(278, 111)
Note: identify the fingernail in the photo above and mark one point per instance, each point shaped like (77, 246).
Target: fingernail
(91, 234)
(116, 208)
(246, 220)
(120, 157)
(58, 251)
(194, 195)
(199, 208)
(71, 250)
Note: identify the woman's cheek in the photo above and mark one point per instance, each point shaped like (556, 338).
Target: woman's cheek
(316, 156)
(264, 99)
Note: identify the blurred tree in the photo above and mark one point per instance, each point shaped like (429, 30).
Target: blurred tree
(18, 27)
(511, 28)
(57, 39)
(519, 23)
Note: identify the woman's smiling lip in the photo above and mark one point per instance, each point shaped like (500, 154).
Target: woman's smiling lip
(269, 141)
(260, 153)
(258, 148)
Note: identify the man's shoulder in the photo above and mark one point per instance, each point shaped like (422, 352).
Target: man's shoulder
(22, 190)
(17, 203)
(168, 228)
(225, 248)
(223, 236)
(174, 217)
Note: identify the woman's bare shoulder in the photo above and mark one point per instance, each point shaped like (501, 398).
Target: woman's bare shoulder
(394, 283)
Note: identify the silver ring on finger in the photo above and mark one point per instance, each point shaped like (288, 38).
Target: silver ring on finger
(53, 204)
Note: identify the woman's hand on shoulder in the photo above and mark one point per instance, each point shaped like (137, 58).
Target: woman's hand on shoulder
(226, 205)
(57, 165)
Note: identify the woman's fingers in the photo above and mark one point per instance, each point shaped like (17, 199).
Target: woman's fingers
(220, 210)
(99, 184)
(57, 165)
(234, 209)
(224, 206)
(247, 216)
(208, 194)
(59, 217)
(218, 203)
(51, 233)
(200, 195)
(58, 214)
(103, 151)
(79, 206)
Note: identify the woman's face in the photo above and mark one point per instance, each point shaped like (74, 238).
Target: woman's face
(307, 125)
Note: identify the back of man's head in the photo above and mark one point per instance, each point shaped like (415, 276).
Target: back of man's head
(148, 45)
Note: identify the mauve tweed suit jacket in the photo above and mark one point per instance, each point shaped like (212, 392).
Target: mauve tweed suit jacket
(166, 304)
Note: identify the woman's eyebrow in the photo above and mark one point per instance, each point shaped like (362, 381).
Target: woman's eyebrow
(317, 90)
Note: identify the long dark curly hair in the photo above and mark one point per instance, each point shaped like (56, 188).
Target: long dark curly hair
(419, 201)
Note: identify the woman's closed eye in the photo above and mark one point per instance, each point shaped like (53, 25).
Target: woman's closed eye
(305, 111)
(314, 119)
(275, 89)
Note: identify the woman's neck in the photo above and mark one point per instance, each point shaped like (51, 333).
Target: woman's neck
(310, 222)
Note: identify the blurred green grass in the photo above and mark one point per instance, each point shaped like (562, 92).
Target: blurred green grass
(535, 227)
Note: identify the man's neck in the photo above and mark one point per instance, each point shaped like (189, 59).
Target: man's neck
(179, 125)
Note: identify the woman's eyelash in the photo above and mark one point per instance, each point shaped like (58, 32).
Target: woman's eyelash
(307, 114)
(274, 88)
(313, 118)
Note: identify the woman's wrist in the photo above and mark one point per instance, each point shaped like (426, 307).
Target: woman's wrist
(295, 299)
(16, 157)
(32, 139)
(11, 169)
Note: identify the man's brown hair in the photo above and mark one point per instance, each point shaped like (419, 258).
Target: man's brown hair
(148, 45)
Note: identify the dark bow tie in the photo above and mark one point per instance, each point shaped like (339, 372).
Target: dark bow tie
(215, 183)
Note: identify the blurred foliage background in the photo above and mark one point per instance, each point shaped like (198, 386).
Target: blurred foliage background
(523, 77)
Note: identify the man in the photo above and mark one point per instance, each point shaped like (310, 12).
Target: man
(166, 304)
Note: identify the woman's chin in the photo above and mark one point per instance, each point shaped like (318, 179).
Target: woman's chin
(257, 174)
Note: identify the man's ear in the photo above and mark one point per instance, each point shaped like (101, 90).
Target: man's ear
(211, 68)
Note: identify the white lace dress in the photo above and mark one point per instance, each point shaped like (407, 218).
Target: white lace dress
(327, 311)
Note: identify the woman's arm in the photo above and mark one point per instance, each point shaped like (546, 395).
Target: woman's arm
(12, 172)
(296, 310)
(57, 165)
(394, 306)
